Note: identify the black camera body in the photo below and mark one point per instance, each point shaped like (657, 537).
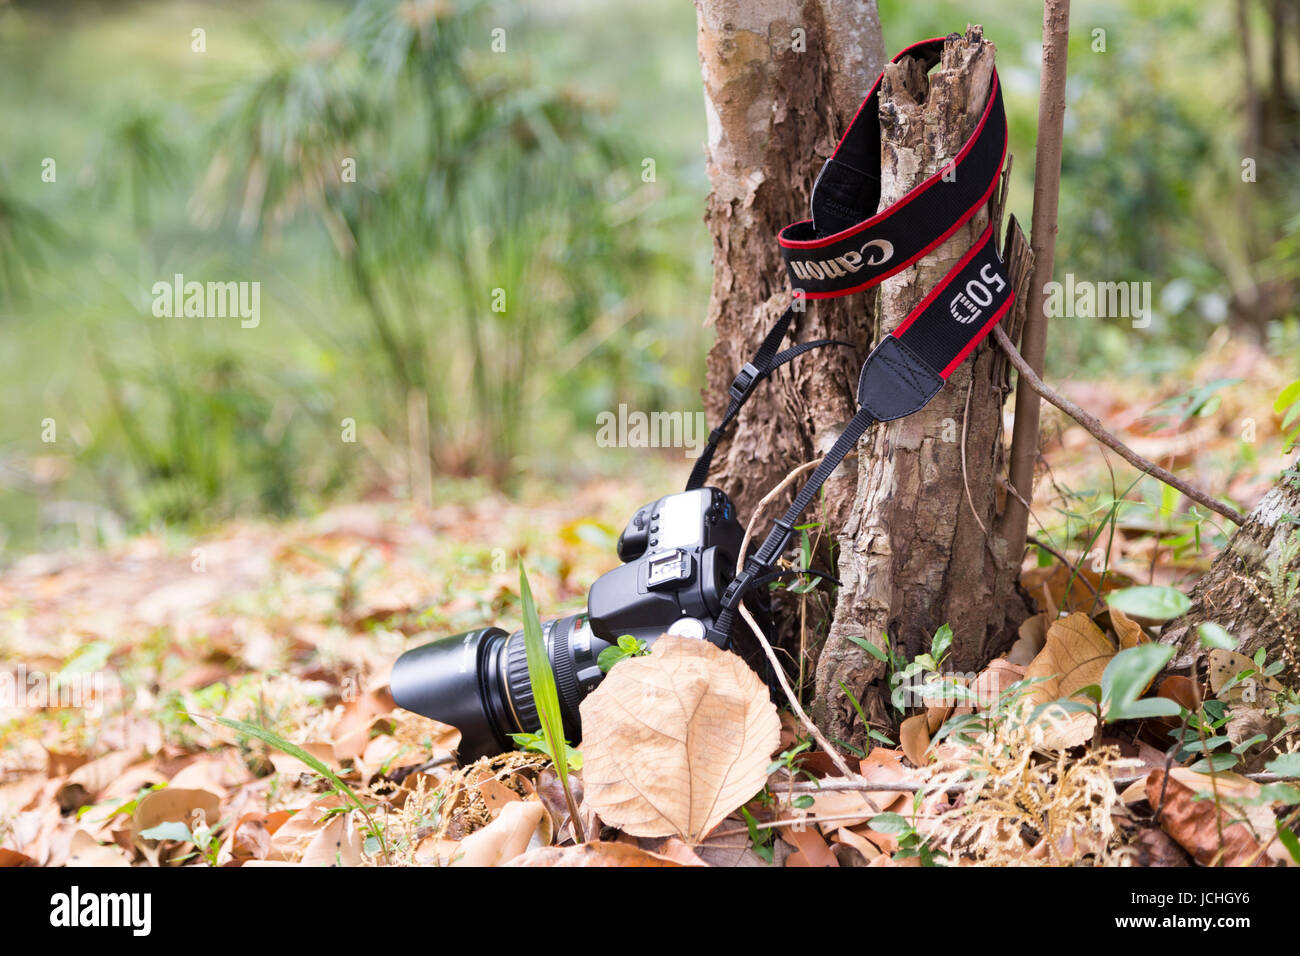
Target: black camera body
(679, 554)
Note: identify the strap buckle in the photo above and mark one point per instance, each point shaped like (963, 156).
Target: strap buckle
(735, 590)
(743, 382)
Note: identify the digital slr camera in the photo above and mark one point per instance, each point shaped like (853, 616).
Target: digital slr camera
(679, 554)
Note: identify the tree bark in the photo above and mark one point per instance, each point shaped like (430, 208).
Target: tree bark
(1247, 591)
(917, 551)
(782, 78)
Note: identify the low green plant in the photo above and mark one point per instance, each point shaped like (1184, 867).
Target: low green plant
(547, 698)
(274, 740)
(627, 646)
(911, 842)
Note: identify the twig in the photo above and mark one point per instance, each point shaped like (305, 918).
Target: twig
(793, 699)
(970, 387)
(1099, 432)
(1042, 241)
(817, 735)
(871, 786)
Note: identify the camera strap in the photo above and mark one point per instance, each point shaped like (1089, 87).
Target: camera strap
(847, 247)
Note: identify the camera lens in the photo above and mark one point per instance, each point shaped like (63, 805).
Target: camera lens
(519, 688)
(478, 682)
(456, 680)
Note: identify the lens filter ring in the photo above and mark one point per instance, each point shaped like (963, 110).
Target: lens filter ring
(566, 672)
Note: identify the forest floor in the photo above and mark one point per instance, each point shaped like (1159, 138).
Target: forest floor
(119, 662)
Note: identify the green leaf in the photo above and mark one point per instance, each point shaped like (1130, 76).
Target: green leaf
(802, 802)
(1151, 602)
(1249, 742)
(1213, 636)
(1278, 793)
(762, 839)
(942, 641)
(542, 679)
(1287, 765)
(1220, 763)
(1289, 395)
(1127, 676)
(293, 750)
(93, 657)
(1288, 839)
(890, 823)
(170, 830)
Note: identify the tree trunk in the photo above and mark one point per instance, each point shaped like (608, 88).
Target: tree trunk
(914, 552)
(1247, 591)
(918, 551)
(782, 78)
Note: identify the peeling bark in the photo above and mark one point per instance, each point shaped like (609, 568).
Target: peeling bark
(1245, 590)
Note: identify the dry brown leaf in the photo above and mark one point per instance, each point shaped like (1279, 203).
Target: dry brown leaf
(292, 766)
(174, 805)
(1033, 635)
(674, 849)
(935, 715)
(338, 843)
(1196, 823)
(84, 783)
(293, 835)
(505, 838)
(810, 847)
(496, 794)
(1128, 631)
(914, 738)
(352, 731)
(1074, 656)
(677, 740)
(1255, 689)
(883, 765)
(85, 850)
(592, 854)
(1048, 586)
(995, 679)
(860, 843)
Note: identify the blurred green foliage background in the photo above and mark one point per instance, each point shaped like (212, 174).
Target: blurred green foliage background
(517, 178)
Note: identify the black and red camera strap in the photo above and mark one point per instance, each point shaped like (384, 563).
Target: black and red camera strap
(847, 247)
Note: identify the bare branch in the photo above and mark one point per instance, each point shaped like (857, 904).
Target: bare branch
(1095, 428)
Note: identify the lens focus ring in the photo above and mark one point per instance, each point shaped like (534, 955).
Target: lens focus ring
(518, 686)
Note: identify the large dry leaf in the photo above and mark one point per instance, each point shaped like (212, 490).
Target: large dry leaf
(506, 837)
(676, 741)
(1074, 656)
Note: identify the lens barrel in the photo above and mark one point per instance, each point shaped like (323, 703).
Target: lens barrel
(478, 682)
(457, 680)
